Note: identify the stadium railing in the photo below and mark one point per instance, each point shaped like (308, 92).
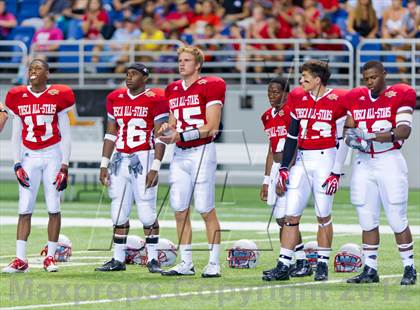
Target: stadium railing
(401, 58)
(12, 54)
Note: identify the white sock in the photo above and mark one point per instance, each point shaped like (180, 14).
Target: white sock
(286, 256)
(299, 252)
(407, 255)
(323, 254)
(151, 245)
(119, 251)
(371, 258)
(52, 247)
(21, 249)
(186, 253)
(214, 253)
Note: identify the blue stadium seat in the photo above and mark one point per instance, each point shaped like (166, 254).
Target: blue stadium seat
(23, 34)
(27, 9)
(11, 6)
(73, 58)
(371, 47)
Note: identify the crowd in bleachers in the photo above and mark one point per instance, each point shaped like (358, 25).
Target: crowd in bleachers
(44, 21)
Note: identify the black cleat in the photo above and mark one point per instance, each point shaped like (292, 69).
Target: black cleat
(112, 265)
(321, 273)
(368, 275)
(302, 268)
(280, 273)
(410, 276)
(154, 266)
(265, 272)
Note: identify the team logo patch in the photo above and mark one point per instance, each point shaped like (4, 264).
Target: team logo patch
(332, 97)
(53, 92)
(362, 98)
(202, 82)
(25, 95)
(390, 94)
(176, 88)
(304, 98)
(120, 96)
(150, 94)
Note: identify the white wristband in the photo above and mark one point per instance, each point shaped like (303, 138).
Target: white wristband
(156, 165)
(104, 162)
(160, 141)
(266, 180)
(110, 137)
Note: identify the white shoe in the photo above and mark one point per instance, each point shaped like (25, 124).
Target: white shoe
(182, 269)
(17, 265)
(50, 264)
(212, 270)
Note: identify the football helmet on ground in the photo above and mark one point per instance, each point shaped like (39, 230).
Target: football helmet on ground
(243, 254)
(348, 258)
(135, 251)
(64, 249)
(311, 251)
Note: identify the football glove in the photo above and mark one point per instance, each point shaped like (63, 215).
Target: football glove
(283, 178)
(331, 184)
(360, 133)
(61, 179)
(21, 175)
(358, 143)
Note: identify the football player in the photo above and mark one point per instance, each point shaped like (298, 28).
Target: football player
(195, 104)
(316, 113)
(379, 120)
(41, 150)
(3, 116)
(134, 116)
(276, 121)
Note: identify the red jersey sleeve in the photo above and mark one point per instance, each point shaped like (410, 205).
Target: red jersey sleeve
(67, 99)
(408, 99)
(10, 101)
(215, 92)
(341, 110)
(291, 104)
(109, 102)
(161, 110)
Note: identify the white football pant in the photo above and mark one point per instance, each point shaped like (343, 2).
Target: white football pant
(127, 185)
(40, 165)
(193, 169)
(310, 171)
(380, 179)
(274, 200)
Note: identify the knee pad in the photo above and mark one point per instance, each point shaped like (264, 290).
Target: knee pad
(367, 220)
(397, 217)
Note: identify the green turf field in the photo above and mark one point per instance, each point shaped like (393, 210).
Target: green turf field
(76, 285)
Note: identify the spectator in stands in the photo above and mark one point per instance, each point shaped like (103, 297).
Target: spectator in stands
(43, 39)
(234, 10)
(72, 19)
(330, 8)
(207, 16)
(411, 21)
(392, 20)
(131, 5)
(312, 19)
(329, 31)
(129, 33)
(286, 12)
(55, 7)
(7, 21)
(298, 29)
(179, 19)
(362, 20)
(94, 19)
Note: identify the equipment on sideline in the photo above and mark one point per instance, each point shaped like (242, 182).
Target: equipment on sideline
(243, 254)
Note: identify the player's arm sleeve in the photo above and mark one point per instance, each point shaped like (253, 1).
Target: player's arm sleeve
(342, 150)
(291, 143)
(65, 144)
(215, 93)
(17, 139)
(161, 114)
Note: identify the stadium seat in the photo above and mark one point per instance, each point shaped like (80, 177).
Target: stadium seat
(66, 59)
(23, 34)
(27, 9)
(11, 6)
(370, 47)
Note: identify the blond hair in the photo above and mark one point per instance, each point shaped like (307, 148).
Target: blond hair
(193, 50)
(360, 10)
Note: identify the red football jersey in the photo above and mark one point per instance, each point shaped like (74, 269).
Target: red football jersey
(378, 115)
(276, 126)
(39, 113)
(189, 104)
(318, 128)
(135, 117)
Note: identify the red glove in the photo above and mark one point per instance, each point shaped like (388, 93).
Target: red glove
(331, 183)
(283, 178)
(21, 175)
(61, 179)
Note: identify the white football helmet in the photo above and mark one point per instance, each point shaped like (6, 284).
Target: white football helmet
(311, 251)
(135, 251)
(348, 258)
(243, 254)
(166, 252)
(63, 251)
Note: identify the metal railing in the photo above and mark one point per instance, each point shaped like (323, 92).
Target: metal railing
(400, 57)
(12, 55)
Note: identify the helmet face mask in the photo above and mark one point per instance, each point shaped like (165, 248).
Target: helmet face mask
(136, 251)
(64, 249)
(243, 254)
(348, 259)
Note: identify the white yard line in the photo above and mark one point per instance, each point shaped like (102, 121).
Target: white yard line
(185, 294)
(248, 226)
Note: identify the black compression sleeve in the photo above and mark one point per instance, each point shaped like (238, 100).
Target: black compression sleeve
(291, 143)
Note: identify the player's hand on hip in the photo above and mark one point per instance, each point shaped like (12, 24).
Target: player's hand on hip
(264, 192)
(283, 181)
(170, 135)
(61, 178)
(152, 178)
(21, 175)
(104, 176)
(331, 184)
